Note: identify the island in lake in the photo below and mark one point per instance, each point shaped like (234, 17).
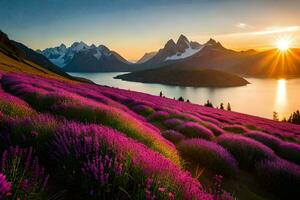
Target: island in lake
(186, 77)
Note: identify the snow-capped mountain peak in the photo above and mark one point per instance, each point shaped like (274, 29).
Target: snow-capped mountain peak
(62, 55)
(184, 48)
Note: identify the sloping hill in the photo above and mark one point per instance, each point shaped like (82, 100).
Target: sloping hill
(39, 59)
(19, 58)
(73, 128)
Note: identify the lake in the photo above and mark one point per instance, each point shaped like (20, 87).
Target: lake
(261, 98)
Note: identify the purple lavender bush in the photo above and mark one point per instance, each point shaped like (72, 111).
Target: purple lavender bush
(173, 136)
(27, 177)
(75, 107)
(5, 187)
(279, 177)
(101, 161)
(214, 128)
(265, 138)
(13, 106)
(245, 150)
(159, 116)
(209, 155)
(235, 129)
(195, 130)
(35, 130)
(143, 109)
(289, 151)
(172, 122)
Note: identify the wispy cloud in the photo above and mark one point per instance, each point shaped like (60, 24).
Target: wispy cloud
(261, 32)
(242, 25)
(272, 30)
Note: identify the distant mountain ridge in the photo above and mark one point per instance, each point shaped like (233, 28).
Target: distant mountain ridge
(80, 57)
(146, 57)
(183, 48)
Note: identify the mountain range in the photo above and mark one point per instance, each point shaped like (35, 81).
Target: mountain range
(182, 54)
(80, 57)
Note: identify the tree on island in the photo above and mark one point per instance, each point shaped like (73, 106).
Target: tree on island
(221, 106)
(295, 118)
(228, 106)
(188, 101)
(180, 99)
(208, 104)
(275, 116)
(160, 94)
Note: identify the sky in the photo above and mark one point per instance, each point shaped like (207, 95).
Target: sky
(133, 27)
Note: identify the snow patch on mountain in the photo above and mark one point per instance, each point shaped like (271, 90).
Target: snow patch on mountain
(58, 61)
(187, 53)
(98, 54)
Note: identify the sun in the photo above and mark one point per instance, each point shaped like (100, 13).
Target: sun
(283, 44)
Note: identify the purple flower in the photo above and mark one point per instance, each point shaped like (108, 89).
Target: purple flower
(5, 186)
(17, 161)
(83, 141)
(102, 168)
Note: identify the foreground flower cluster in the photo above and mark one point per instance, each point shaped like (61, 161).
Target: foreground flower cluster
(63, 140)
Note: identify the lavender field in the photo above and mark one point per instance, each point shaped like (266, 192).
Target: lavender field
(68, 140)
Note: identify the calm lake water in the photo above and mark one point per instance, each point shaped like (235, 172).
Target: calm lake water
(260, 98)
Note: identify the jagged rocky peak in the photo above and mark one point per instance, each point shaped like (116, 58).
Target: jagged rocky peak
(195, 45)
(79, 46)
(182, 43)
(212, 42)
(171, 46)
(103, 48)
(63, 46)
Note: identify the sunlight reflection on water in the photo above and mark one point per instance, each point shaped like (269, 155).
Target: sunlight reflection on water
(281, 96)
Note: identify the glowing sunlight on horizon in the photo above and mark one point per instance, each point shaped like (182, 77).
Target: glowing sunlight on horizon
(283, 44)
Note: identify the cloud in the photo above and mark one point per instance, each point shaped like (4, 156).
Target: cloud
(243, 26)
(272, 30)
(264, 31)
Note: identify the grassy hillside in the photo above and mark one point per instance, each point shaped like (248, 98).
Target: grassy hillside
(82, 141)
